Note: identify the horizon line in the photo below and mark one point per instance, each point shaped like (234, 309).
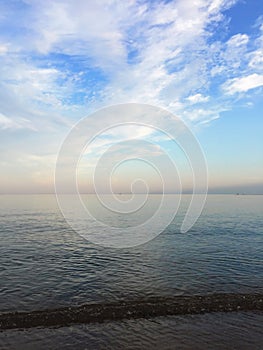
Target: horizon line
(126, 193)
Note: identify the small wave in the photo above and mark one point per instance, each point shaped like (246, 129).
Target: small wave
(141, 308)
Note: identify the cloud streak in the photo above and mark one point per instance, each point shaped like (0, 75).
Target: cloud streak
(63, 60)
(243, 84)
(160, 53)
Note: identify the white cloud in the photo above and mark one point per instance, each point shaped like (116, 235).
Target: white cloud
(172, 67)
(156, 53)
(202, 114)
(163, 53)
(197, 98)
(106, 31)
(238, 40)
(117, 135)
(3, 49)
(243, 84)
(256, 61)
(7, 123)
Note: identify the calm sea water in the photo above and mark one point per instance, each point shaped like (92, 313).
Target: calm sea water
(45, 264)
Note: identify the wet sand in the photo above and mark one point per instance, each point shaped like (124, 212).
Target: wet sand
(143, 308)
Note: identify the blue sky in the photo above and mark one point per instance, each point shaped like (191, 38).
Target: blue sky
(62, 60)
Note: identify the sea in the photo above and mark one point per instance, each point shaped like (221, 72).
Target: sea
(45, 264)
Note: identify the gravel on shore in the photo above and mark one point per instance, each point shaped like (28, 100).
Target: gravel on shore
(142, 308)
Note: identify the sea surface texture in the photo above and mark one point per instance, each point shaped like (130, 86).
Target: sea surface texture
(45, 265)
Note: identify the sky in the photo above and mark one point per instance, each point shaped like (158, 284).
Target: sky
(62, 60)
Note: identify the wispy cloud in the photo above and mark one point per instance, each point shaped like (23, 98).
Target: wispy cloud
(197, 98)
(62, 60)
(7, 123)
(243, 84)
(161, 53)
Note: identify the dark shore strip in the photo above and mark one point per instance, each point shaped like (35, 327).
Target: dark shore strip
(143, 308)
